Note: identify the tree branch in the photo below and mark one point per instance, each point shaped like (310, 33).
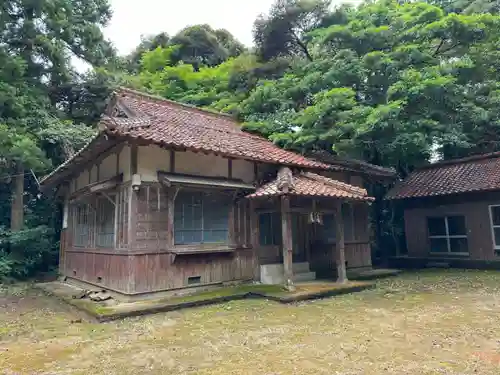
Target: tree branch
(438, 48)
(303, 46)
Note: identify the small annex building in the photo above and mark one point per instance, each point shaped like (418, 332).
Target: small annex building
(168, 196)
(452, 212)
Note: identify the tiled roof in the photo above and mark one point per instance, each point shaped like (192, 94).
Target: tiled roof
(354, 165)
(312, 185)
(154, 120)
(168, 123)
(472, 174)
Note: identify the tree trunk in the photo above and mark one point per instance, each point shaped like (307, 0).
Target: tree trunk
(17, 207)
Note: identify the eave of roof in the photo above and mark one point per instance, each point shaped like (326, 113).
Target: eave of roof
(99, 142)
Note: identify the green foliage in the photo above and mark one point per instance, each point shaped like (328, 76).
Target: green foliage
(43, 101)
(39, 252)
(284, 31)
(157, 59)
(468, 6)
(20, 147)
(389, 82)
(149, 43)
(201, 45)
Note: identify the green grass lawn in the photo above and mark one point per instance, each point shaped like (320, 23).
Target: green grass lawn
(430, 322)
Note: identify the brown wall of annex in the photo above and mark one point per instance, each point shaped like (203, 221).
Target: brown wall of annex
(477, 217)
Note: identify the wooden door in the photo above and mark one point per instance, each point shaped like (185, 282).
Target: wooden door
(299, 237)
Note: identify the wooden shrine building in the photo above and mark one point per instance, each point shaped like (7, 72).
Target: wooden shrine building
(168, 197)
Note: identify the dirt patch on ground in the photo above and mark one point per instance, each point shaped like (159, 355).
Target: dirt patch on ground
(430, 322)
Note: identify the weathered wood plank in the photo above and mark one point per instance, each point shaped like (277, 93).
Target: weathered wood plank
(105, 270)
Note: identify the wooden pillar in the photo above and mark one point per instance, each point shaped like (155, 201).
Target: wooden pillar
(340, 243)
(133, 200)
(171, 196)
(64, 238)
(254, 238)
(286, 230)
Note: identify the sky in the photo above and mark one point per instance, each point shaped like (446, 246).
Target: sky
(133, 18)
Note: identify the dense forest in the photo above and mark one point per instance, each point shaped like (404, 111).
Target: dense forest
(395, 83)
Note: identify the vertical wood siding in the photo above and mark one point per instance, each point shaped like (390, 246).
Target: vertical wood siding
(113, 270)
(155, 272)
(151, 218)
(155, 269)
(242, 223)
(323, 258)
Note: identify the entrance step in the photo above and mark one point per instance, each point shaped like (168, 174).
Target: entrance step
(273, 273)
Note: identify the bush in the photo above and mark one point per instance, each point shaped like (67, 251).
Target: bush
(25, 253)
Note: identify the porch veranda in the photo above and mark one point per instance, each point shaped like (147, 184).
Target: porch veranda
(314, 196)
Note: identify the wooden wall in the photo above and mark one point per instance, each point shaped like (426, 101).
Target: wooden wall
(100, 268)
(357, 255)
(164, 271)
(111, 163)
(151, 217)
(106, 267)
(122, 216)
(474, 208)
(145, 258)
(121, 225)
(301, 245)
(153, 265)
(321, 257)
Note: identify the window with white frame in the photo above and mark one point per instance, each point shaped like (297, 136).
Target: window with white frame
(447, 234)
(105, 222)
(201, 217)
(81, 225)
(495, 225)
